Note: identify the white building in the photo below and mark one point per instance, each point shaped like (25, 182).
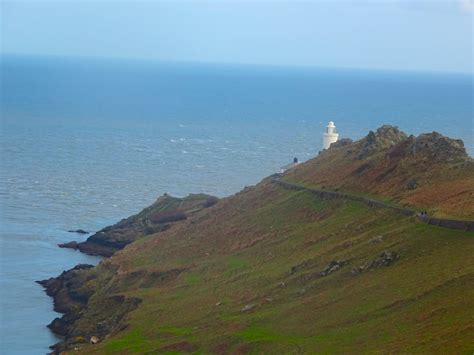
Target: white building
(330, 136)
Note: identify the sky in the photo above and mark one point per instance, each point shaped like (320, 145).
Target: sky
(432, 35)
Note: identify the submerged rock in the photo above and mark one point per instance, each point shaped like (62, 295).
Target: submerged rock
(79, 231)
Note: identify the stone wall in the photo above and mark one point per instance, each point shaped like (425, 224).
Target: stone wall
(441, 222)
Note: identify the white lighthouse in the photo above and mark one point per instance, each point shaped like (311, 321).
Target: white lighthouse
(330, 136)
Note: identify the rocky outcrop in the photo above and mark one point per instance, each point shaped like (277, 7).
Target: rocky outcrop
(86, 318)
(385, 137)
(386, 258)
(156, 218)
(341, 143)
(436, 147)
(69, 295)
(332, 266)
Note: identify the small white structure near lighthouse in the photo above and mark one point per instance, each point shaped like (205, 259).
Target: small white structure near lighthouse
(330, 135)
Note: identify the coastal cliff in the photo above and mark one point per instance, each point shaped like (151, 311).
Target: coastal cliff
(158, 217)
(272, 269)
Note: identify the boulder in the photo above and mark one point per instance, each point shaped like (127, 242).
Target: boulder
(386, 258)
(332, 266)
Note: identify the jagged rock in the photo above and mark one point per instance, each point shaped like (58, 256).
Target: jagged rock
(332, 266)
(385, 137)
(341, 143)
(94, 340)
(435, 146)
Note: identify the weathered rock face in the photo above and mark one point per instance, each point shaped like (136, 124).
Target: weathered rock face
(341, 143)
(158, 217)
(385, 137)
(435, 146)
(84, 318)
(69, 296)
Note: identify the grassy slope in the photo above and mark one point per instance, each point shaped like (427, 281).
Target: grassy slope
(445, 188)
(239, 251)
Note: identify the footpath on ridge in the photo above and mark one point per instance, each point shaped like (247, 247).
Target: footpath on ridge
(440, 222)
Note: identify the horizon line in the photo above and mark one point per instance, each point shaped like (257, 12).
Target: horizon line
(229, 63)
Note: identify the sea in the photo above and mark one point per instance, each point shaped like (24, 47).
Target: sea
(85, 142)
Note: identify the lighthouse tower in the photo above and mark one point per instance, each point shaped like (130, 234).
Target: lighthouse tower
(330, 136)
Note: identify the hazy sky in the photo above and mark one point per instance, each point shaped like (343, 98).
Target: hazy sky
(419, 35)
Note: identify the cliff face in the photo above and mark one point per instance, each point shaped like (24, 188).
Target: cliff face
(161, 215)
(275, 270)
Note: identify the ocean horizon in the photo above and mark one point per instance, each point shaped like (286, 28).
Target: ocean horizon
(86, 142)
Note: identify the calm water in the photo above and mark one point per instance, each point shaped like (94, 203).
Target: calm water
(85, 143)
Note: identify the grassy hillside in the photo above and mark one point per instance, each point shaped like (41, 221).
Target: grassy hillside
(241, 252)
(271, 270)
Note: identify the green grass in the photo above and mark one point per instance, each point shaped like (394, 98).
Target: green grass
(175, 330)
(133, 342)
(419, 304)
(192, 279)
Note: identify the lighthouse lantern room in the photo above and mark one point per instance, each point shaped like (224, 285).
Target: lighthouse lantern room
(330, 135)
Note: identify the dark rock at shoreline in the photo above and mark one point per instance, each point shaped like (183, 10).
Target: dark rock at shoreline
(71, 292)
(63, 288)
(79, 231)
(70, 245)
(158, 217)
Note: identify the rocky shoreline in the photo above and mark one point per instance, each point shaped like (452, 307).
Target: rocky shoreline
(74, 290)
(156, 218)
